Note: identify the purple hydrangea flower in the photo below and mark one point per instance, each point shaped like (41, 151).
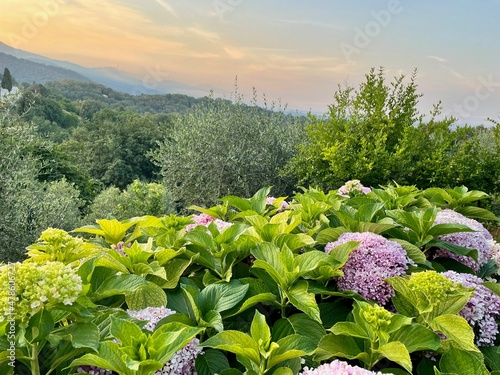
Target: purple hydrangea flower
(337, 368)
(479, 240)
(482, 310)
(375, 259)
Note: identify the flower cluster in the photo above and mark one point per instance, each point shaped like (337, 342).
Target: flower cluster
(37, 286)
(120, 248)
(270, 201)
(377, 317)
(434, 286)
(336, 368)
(495, 253)
(183, 360)
(478, 240)
(352, 186)
(374, 260)
(482, 309)
(93, 370)
(205, 220)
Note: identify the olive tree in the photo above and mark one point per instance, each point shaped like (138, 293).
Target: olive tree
(223, 147)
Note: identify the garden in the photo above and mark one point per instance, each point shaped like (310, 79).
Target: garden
(390, 279)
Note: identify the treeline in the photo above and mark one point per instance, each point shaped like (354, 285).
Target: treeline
(73, 152)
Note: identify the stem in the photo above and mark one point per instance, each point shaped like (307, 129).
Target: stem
(35, 366)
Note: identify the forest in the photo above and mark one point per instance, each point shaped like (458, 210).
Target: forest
(73, 152)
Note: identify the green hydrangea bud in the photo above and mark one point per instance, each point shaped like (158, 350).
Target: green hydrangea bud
(378, 317)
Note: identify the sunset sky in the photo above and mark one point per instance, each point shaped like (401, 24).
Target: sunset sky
(296, 51)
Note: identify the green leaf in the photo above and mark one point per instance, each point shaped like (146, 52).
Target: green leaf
(79, 334)
(125, 331)
(300, 324)
(303, 300)
(289, 347)
(118, 284)
(149, 295)
(462, 362)
(456, 329)
(283, 371)
(235, 342)
(39, 326)
(329, 235)
(109, 358)
(260, 332)
(349, 329)
(169, 338)
(413, 252)
(477, 213)
(338, 346)
(416, 337)
(211, 362)
(223, 296)
(213, 319)
(396, 352)
(442, 229)
(492, 356)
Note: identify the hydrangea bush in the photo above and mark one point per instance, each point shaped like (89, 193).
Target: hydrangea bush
(352, 281)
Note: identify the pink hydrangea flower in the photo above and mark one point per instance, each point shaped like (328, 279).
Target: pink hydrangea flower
(337, 367)
(375, 259)
(479, 240)
(270, 201)
(352, 186)
(204, 220)
(482, 310)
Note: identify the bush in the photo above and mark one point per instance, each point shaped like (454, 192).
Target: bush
(137, 200)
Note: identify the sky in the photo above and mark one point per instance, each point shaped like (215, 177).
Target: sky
(295, 52)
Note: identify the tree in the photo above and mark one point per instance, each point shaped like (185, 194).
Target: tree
(375, 134)
(222, 147)
(112, 147)
(6, 80)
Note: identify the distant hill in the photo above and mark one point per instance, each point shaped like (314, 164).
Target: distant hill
(28, 71)
(107, 76)
(144, 103)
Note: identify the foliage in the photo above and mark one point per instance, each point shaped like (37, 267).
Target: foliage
(28, 205)
(250, 281)
(222, 148)
(121, 142)
(138, 199)
(375, 133)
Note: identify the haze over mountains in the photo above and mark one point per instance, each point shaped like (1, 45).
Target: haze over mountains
(30, 67)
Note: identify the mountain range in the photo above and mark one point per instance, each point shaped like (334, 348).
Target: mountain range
(30, 67)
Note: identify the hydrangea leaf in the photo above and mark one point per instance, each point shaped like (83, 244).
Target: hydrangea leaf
(463, 362)
(456, 329)
(211, 362)
(396, 352)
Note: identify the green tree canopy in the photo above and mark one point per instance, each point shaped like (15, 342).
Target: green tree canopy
(7, 81)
